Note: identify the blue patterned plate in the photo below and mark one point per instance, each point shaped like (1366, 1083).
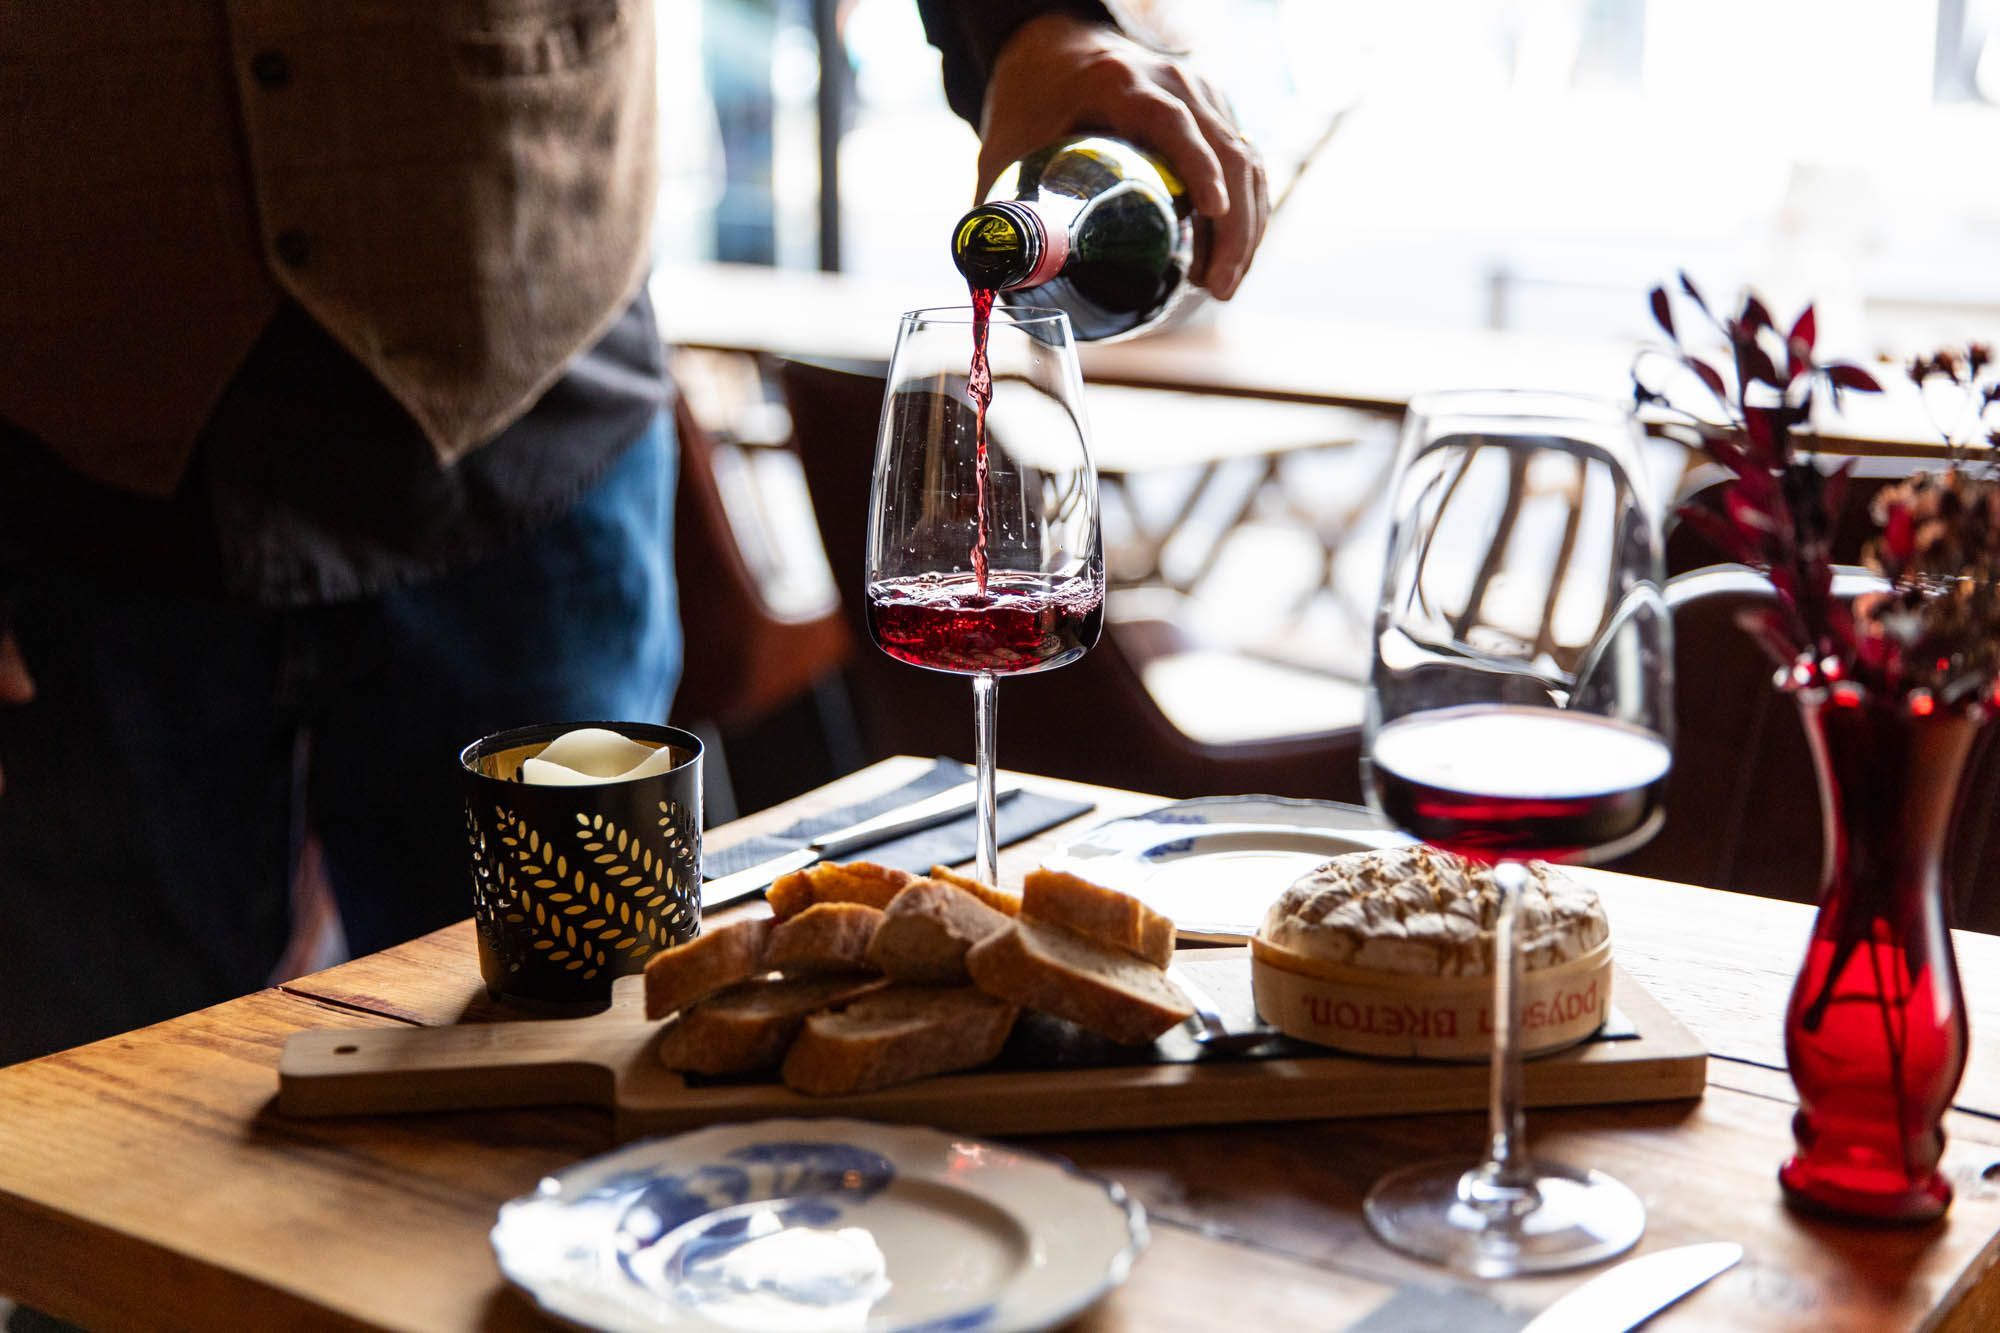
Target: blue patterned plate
(786, 1226)
(1214, 865)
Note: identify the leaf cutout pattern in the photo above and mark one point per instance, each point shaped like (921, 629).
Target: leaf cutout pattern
(613, 907)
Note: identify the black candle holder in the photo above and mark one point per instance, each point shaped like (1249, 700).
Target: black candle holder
(574, 886)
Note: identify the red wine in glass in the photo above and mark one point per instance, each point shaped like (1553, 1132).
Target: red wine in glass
(979, 385)
(1503, 782)
(1007, 625)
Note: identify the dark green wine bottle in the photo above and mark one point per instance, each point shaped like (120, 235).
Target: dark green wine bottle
(1092, 226)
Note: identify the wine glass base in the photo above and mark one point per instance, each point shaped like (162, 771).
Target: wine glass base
(1583, 1217)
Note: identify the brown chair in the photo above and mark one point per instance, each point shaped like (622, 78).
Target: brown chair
(1092, 721)
(1742, 802)
(743, 659)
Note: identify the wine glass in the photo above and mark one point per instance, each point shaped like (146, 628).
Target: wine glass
(1518, 707)
(984, 556)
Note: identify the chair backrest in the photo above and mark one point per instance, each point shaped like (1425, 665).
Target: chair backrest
(1092, 721)
(743, 660)
(1742, 801)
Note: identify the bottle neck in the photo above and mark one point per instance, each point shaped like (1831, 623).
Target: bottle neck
(1007, 244)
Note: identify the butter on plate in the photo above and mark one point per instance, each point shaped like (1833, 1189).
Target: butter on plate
(588, 756)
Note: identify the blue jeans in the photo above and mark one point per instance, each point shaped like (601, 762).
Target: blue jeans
(159, 786)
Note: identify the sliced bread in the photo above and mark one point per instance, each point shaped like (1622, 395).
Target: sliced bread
(1105, 915)
(711, 961)
(749, 1026)
(926, 931)
(895, 1035)
(826, 937)
(998, 899)
(854, 882)
(1100, 989)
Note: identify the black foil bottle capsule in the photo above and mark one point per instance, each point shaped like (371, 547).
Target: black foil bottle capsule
(1091, 226)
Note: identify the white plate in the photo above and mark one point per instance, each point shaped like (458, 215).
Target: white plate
(784, 1226)
(1214, 865)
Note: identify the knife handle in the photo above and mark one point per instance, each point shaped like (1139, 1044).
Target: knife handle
(954, 803)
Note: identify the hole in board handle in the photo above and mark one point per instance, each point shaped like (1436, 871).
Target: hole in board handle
(345, 1050)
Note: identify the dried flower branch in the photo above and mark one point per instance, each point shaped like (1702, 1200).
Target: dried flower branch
(1778, 509)
(1932, 638)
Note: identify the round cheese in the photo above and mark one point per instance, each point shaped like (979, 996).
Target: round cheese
(1420, 912)
(1391, 953)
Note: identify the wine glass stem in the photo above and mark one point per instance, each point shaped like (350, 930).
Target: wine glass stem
(1506, 1179)
(985, 713)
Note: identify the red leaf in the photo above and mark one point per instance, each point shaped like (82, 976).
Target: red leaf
(1899, 533)
(1755, 315)
(1708, 374)
(1757, 426)
(1746, 513)
(1718, 532)
(1799, 344)
(1754, 363)
(1845, 376)
(1663, 313)
(1724, 451)
(1687, 285)
(1769, 629)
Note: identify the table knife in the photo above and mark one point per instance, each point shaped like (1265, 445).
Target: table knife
(940, 808)
(1627, 1295)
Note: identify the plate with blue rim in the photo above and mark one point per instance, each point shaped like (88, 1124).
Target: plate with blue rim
(1215, 865)
(799, 1226)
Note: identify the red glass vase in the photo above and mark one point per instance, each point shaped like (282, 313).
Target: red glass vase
(1875, 1034)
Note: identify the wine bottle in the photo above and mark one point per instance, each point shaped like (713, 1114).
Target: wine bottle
(1091, 226)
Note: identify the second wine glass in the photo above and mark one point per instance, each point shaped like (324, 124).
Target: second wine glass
(1518, 707)
(984, 555)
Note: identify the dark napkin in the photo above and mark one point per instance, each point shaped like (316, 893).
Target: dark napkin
(945, 845)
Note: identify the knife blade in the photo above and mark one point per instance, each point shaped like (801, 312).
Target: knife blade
(939, 808)
(1627, 1295)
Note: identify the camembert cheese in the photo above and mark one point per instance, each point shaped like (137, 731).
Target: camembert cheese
(1391, 953)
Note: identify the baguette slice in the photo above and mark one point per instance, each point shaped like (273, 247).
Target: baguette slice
(855, 882)
(1058, 971)
(749, 1026)
(926, 931)
(998, 899)
(1105, 915)
(711, 961)
(895, 1035)
(826, 937)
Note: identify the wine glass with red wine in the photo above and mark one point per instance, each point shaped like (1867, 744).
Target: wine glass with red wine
(984, 557)
(1519, 708)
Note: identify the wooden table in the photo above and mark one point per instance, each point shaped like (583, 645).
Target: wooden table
(147, 1180)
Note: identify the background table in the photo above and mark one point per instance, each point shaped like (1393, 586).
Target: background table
(1329, 361)
(148, 1181)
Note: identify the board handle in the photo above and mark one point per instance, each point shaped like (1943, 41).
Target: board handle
(383, 1070)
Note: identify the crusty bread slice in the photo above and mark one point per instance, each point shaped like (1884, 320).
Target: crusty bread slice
(1058, 971)
(854, 882)
(826, 937)
(1105, 915)
(926, 931)
(894, 1035)
(749, 1026)
(998, 899)
(711, 961)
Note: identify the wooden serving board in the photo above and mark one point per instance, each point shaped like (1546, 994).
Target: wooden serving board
(607, 1060)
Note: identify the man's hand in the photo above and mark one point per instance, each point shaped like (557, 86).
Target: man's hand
(16, 685)
(1059, 74)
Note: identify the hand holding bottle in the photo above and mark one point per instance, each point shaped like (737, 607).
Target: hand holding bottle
(1059, 74)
